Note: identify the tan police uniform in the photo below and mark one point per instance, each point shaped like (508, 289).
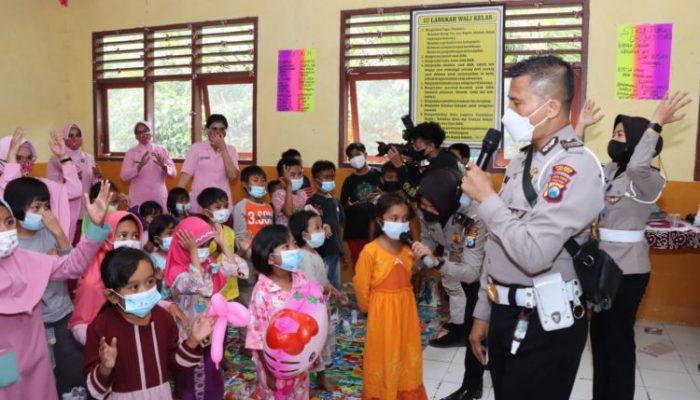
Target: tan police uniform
(525, 243)
(629, 199)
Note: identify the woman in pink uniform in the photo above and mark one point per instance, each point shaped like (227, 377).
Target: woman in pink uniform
(211, 164)
(145, 168)
(88, 172)
(17, 158)
(25, 363)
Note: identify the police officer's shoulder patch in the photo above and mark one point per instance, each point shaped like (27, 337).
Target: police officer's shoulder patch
(572, 143)
(558, 183)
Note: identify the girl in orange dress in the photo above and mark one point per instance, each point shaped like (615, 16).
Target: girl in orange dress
(392, 364)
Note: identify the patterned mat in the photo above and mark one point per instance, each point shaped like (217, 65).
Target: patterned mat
(346, 371)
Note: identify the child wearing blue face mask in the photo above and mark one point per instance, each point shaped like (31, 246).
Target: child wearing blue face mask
(132, 345)
(392, 357)
(38, 230)
(276, 257)
(332, 214)
(160, 235)
(307, 228)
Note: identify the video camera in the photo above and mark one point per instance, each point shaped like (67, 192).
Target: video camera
(405, 149)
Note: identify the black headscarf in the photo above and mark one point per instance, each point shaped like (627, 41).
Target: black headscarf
(634, 130)
(441, 188)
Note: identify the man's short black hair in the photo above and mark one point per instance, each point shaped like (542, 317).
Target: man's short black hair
(389, 167)
(430, 132)
(550, 76)
(462, 149)
(210, 196)
(320, 166)
(251, 171)
(291, 153)
(150, 207)
(354, 146)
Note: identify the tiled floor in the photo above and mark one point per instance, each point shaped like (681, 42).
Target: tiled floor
(671, 376)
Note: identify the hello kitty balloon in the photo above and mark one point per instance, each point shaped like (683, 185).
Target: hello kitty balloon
(297, 333)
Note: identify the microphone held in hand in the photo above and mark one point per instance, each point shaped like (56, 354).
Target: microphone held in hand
(407, 239)
(488, 146)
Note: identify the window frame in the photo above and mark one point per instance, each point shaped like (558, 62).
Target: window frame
(199, 82)
(384, 72)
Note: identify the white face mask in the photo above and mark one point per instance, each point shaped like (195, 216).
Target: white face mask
(220, 216)
(8, 242)
(358, 162)
(134, 244)
(519, 126)
(203, 253)
(394, 229)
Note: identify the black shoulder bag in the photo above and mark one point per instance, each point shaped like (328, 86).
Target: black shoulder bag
(597, 272)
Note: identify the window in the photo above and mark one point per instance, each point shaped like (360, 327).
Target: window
(175, 77)
(375, 45)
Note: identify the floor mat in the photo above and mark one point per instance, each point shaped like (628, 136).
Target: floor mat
(345, 372)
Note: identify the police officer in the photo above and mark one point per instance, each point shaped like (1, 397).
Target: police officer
(632, 188)
(529, 305)
(448, 223)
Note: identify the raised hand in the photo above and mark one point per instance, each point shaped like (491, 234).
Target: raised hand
(144, 160)
(108, 353)
(160, 160)
(51, 222)
(57, 146)
(665, 112)
(218, 142)
(201, 329)
(219, 235)
(187, 241)
(590, 114)
(15, 142)
(98, 208)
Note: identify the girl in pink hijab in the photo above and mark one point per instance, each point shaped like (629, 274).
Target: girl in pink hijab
(125, 231)
(88, 173)
(145, 168)
(26, 371)
(17, 157)
(193, 276)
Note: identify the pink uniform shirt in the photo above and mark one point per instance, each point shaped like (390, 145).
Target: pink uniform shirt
(149, 183)
(206, 166)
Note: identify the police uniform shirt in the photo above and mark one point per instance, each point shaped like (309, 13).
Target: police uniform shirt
(525, 242)
(629, 199)
(464, 245)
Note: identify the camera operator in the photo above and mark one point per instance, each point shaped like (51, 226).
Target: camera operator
(426, 139)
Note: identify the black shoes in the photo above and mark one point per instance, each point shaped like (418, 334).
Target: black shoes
(455, 337)
(465, 394)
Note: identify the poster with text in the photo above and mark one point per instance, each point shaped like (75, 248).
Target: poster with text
(457, 70)
(296, 80)
(643, 61)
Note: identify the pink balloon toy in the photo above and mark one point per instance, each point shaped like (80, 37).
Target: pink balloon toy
(296, 334)
(226, 313)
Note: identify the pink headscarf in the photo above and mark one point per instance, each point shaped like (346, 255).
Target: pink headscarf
(90, 295)
(179, 258)
(66, 132)
(5, 149)
(21, 283)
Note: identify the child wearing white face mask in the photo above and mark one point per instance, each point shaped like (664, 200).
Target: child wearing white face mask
(214, 204)
(25, 276)
(392, 360)
(290, 197)
(193, 274)
(132, 347)
(307, 228)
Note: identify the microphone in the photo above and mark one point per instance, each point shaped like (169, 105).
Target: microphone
(407, 239)
(488, 146)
